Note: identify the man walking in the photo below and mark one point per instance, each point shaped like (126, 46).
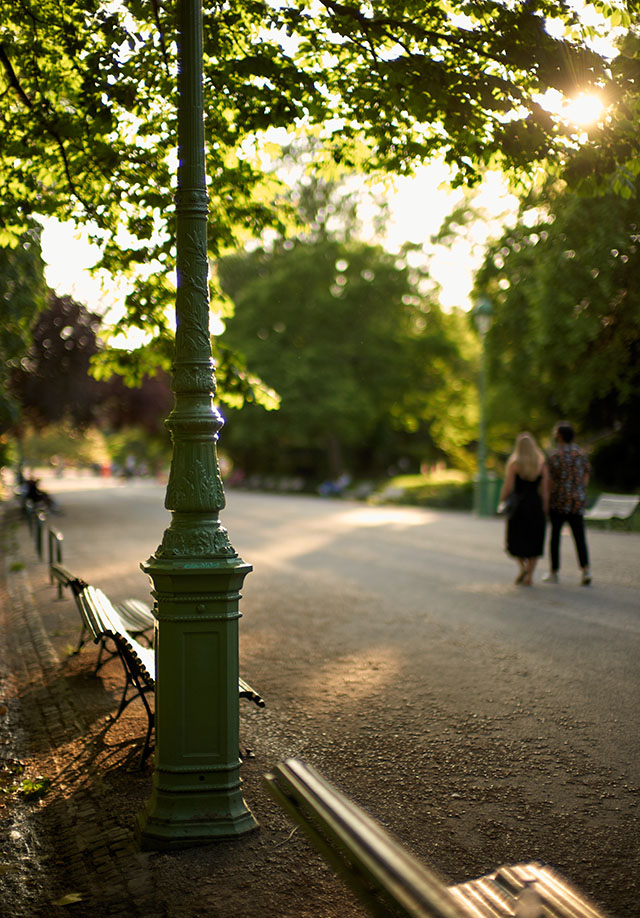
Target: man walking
(569, 474)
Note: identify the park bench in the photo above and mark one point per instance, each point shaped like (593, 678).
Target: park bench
(137, 617)
(613, 506)
(37, 520)
(55, 556)
(119, 629)
(392, 883)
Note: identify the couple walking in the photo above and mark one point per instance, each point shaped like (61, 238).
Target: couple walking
(535, 488)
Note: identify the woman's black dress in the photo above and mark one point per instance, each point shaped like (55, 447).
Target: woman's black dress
(526, 525)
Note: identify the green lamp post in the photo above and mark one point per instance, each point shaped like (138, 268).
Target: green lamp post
(482, 315)
(196, 573)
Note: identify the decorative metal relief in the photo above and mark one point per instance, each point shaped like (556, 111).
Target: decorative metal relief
(194, 378)
(195, 486)
(196, 543)
(192, 332)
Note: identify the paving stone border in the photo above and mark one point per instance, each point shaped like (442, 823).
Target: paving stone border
(72, 843)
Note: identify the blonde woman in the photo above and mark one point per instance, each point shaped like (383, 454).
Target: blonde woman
(526, 484)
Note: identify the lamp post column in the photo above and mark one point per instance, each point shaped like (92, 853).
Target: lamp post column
(483, 313)
(196, 573)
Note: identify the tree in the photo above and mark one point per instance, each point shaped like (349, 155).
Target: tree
(88, 117)
(53, 385)
(52, 382)
(607, 159)
(22, 294)
(565, 340)
(362, 361)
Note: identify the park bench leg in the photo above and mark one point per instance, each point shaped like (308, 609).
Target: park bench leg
(132, 681)
(147, 741)
(82, 640)
(110, 654)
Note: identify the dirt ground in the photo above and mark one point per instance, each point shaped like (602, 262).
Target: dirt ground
(72, 850)
(487, 799)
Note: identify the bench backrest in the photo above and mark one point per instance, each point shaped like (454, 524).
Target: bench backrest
(104, 620)
(66, 578)
(608, 506)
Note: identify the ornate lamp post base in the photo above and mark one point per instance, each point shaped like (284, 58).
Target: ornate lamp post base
(196, 796)
(161, 831)
(171, 827)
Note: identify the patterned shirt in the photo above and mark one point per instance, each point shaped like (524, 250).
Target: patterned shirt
(568, 469)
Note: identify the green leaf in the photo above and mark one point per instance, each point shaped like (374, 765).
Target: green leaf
(69, 899)
(34, 788)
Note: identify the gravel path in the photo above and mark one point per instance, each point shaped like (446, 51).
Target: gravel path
(475, 748)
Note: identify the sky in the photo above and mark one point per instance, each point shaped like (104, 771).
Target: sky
(418, 210)
(69, 256)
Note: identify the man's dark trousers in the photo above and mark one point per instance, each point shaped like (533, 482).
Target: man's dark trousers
(576, 522)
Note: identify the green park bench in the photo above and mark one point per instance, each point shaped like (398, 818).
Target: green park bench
(392, 883)
(609, 507)
(137, 617)
(119, 629)
(37, 521)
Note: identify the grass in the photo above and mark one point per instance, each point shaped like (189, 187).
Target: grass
(630, 525)
(445, 490)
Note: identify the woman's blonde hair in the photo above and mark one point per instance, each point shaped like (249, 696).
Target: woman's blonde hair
(526, 456)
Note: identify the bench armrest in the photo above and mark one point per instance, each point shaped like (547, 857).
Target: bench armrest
(389, 880)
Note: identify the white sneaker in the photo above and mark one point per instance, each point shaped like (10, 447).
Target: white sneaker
(551, 577)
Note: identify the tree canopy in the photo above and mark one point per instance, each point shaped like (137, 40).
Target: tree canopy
(52, 381)
(364, 364)
(52, 384)
(565, 339)
(608, 158)
(88, 115)
(22, 297)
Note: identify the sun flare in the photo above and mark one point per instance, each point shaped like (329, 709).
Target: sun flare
(587, 108)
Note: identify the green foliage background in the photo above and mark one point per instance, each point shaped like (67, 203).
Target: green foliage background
(363, 362)
(88, 133)
(565, 340)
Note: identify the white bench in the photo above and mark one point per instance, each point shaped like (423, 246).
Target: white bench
(613, 506)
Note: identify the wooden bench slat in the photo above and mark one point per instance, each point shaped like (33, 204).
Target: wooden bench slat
(480, 900)
(121, 616)
(109, 621)
(62, 575)
(558, 892)
(246, 691)
(137, 615)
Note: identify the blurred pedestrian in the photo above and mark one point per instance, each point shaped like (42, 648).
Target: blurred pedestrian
(38, 497)
(569, 474)
(526, 494)
(130, 467)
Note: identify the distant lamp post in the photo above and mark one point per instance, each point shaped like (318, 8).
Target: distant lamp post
(482, 315)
